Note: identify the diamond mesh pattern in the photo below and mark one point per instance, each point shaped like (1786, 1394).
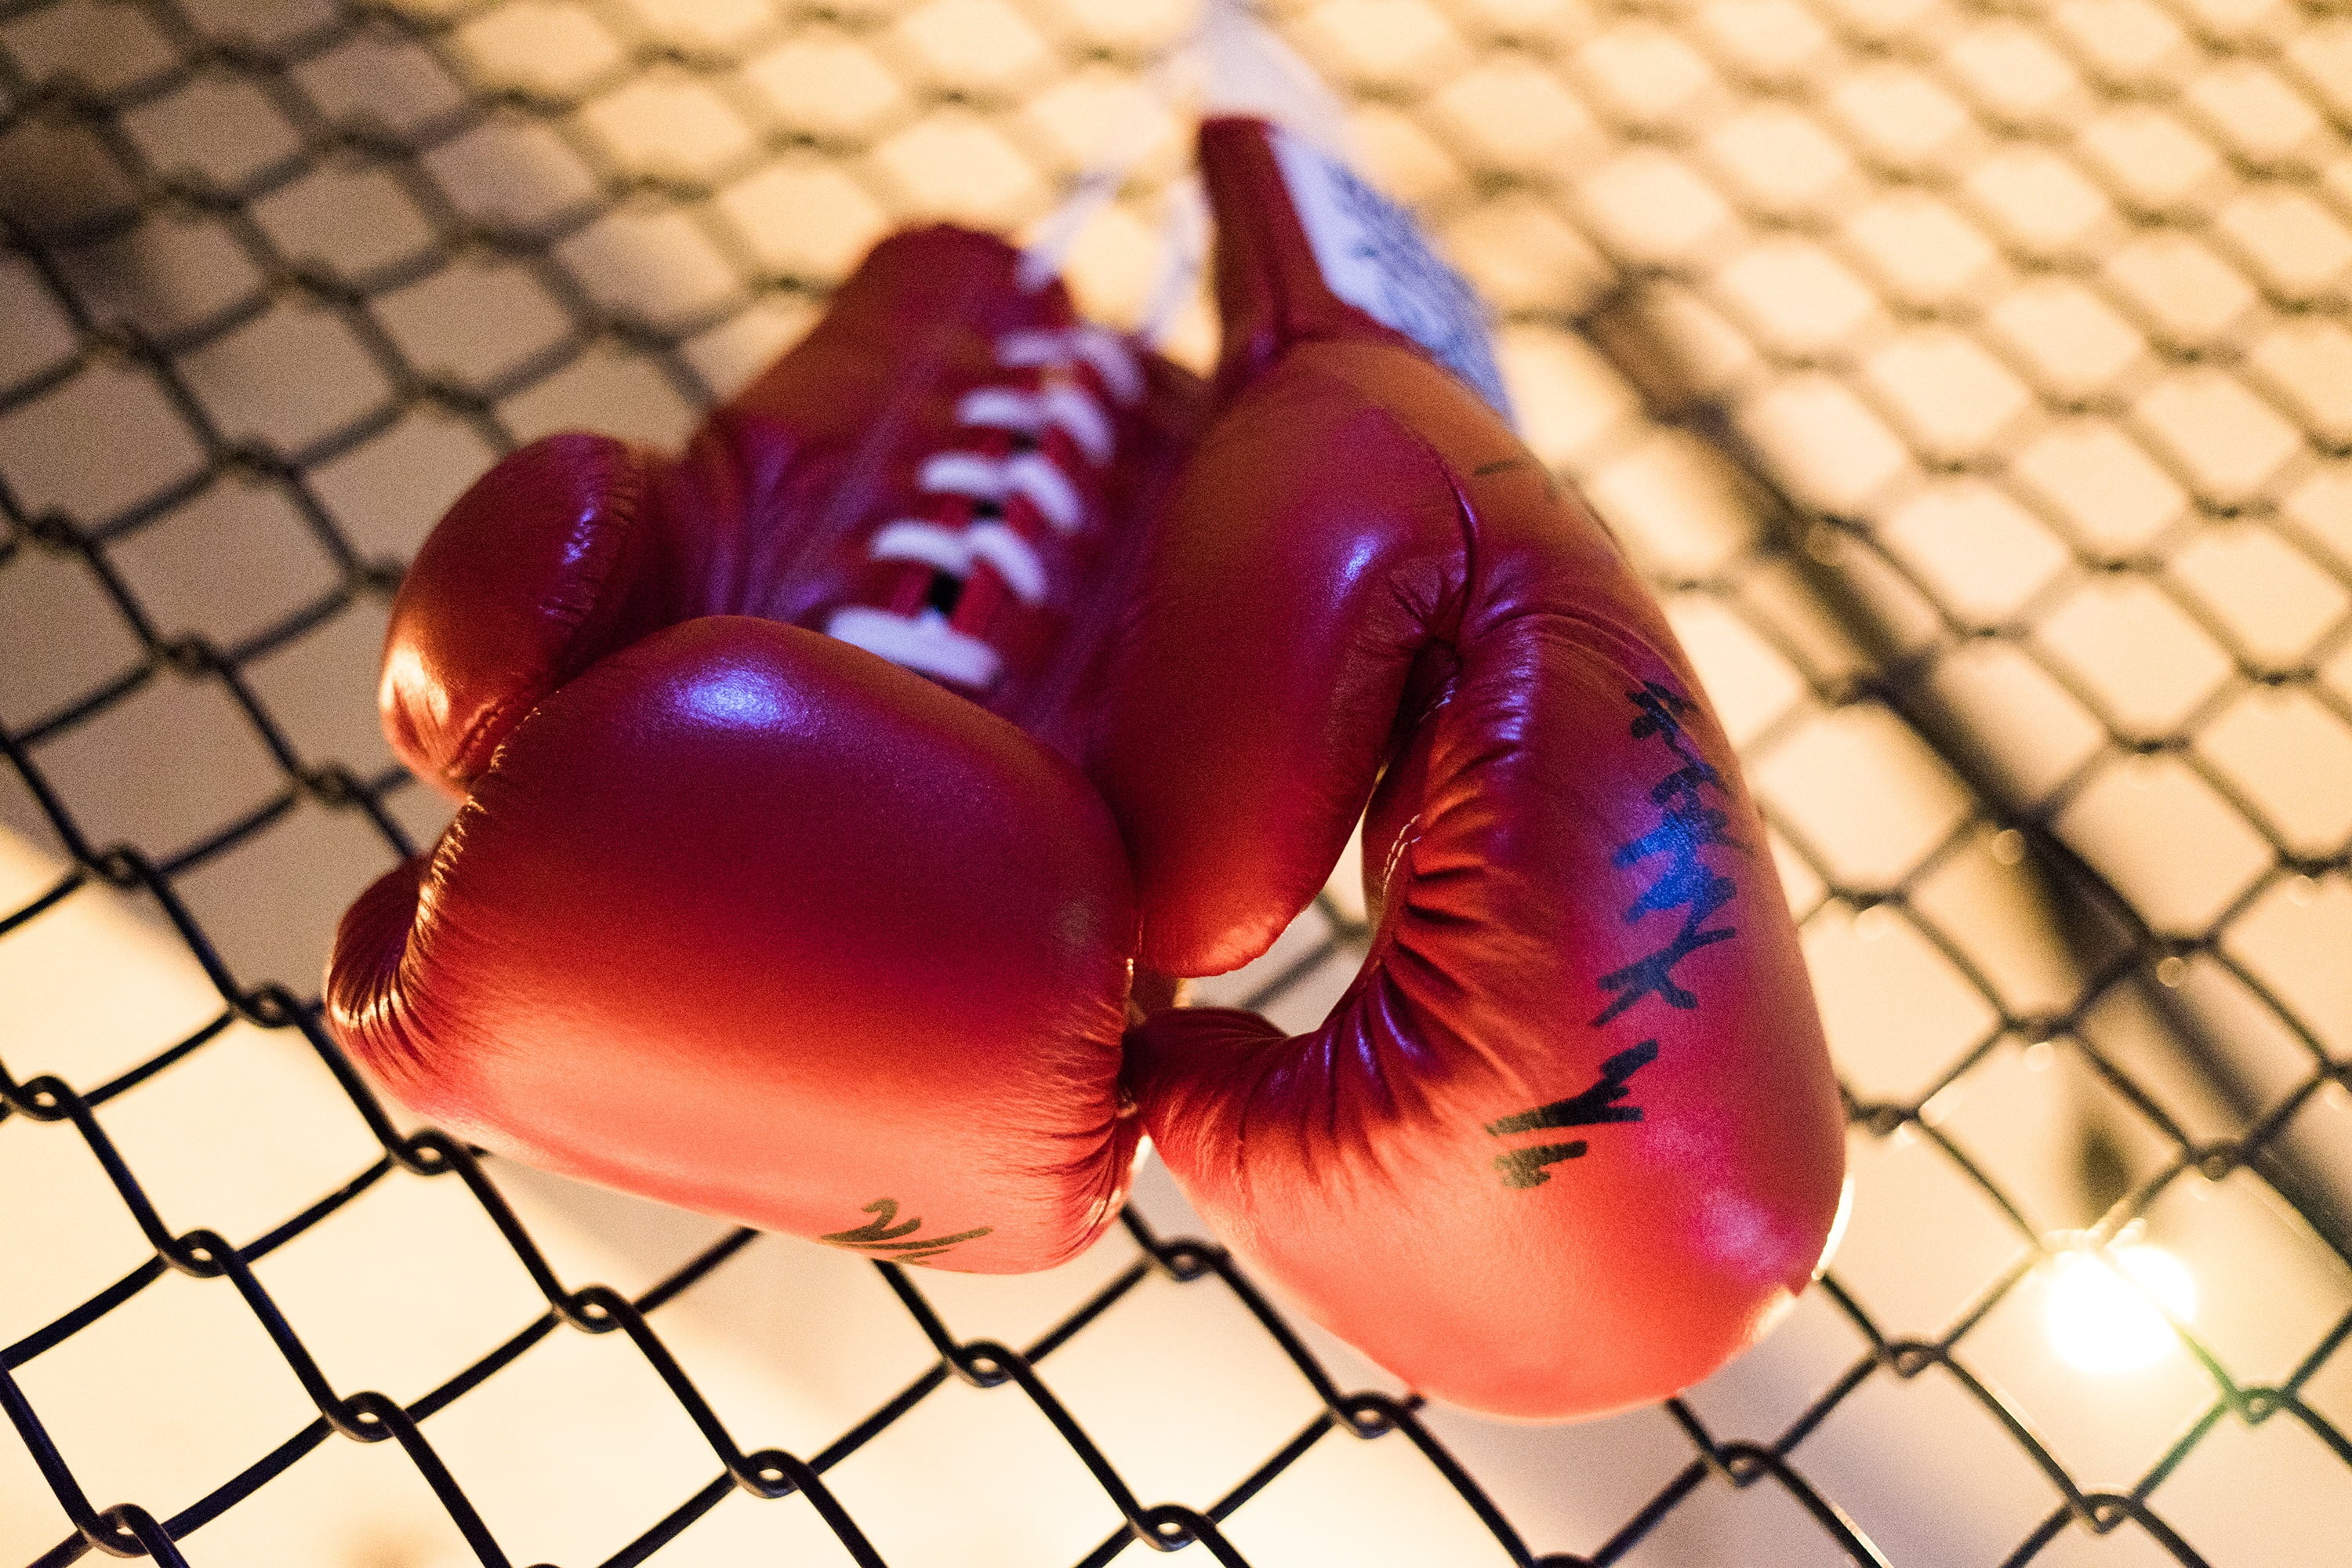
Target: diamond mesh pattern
(1973, 379)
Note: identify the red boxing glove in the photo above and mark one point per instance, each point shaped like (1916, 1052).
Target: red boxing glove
(1571, 1139)
(736, 914)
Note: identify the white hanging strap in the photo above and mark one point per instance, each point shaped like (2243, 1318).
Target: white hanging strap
(1042, 260)
(1183, 252)
(1231, 61)
(1236, 63)
(1129, 143)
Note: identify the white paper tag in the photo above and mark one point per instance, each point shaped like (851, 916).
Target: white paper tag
(1373, 255)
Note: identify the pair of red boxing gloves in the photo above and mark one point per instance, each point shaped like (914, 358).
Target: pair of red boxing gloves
(841, 797)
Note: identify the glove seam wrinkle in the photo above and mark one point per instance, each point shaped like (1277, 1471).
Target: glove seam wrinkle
(623, 506)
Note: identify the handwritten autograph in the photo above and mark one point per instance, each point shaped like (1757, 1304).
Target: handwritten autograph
(1684, 881)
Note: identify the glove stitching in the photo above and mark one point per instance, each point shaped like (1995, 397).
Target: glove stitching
(1010, 501)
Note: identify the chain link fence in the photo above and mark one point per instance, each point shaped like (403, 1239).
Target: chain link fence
(1974, 381)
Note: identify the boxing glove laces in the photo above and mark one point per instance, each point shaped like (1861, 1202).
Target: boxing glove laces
(1571, 1139)
(776, 890)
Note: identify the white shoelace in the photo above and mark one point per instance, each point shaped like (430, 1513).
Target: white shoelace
(1018, 498)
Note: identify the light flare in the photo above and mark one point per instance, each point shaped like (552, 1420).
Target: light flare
(2112, 1309)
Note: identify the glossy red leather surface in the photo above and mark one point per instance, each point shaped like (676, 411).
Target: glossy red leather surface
(751, 920)
(734, 914)
(1571, 1139)
(578, 544)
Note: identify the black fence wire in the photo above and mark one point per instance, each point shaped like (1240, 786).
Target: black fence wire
(1974, 379)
